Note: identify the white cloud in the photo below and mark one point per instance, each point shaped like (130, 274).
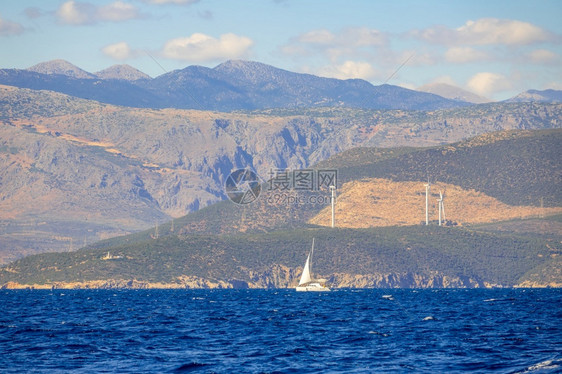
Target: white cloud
(349, 70)
(321, 37)
(200, 47)
(486, 31)
(362, 36)
(544, 56)
(353, 36)
(353, 41)
(486, 83)
(464, 54)
(8, 28)
(117, 11)
(81, 13)
(74, 13)
(500, 31)
(120, 51)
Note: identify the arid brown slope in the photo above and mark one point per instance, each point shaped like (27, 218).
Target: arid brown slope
(382, 202)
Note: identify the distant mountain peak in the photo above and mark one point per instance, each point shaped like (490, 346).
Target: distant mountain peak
(251, 70)
(548, 96)
(241, 64)
(449, 91)
(122, 72)
(61, 67)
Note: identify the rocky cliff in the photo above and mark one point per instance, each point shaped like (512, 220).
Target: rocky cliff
(282, 277)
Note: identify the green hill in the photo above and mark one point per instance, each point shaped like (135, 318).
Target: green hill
(414, 256)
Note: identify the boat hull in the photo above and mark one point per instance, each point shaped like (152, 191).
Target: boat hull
(312, 288)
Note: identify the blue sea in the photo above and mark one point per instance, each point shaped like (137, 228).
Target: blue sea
(281, 331)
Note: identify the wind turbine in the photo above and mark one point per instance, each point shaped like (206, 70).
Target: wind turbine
(439, 203)
(427, 187)
(441, 206)
(333, 201)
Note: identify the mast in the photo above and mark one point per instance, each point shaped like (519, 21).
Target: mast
(311, 255)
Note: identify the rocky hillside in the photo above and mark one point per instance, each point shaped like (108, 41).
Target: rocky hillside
(515, 167)
(75, 171)
(263, 244)
(397, 196)
(374, 202)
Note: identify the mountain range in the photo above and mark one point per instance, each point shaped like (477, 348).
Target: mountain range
(233, 85)
(239, 85)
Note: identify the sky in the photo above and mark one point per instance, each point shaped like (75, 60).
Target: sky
(494, 48)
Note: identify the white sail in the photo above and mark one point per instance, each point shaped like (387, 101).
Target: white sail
(305, 277)
(307, 283)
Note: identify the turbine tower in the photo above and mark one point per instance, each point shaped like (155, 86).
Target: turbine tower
(333, 190)
(427, 187)
(441, 206)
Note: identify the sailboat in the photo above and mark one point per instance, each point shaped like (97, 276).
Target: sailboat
(306, 282)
